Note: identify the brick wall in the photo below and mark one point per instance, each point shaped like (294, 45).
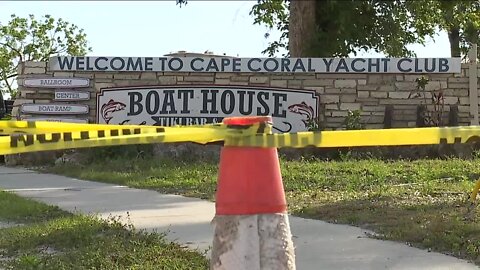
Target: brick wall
(369, 93)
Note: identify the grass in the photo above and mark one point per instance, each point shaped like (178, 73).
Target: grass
(19, 210)
(49, 238)
(420, 202)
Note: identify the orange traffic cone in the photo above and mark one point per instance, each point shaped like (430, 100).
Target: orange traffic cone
(251, 224)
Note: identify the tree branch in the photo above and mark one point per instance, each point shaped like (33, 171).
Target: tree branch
(5, 79)
(30, 57)
(12, 75)
(13, 49)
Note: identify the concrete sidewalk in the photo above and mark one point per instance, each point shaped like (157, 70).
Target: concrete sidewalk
(319, 245)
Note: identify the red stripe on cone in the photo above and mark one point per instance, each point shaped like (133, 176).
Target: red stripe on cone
(250, 180)
(245, 121)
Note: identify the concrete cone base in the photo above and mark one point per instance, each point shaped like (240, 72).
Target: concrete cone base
(253, 242)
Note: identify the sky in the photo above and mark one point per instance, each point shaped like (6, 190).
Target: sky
(156, 28)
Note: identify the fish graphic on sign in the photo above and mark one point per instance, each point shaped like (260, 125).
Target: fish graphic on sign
(304, 110)
(112, 106)
(109, 108)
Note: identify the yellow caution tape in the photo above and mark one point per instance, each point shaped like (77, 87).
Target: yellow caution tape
(22, 143)
(475, 190)
(40, 127)
(355, 138)
(27, 136)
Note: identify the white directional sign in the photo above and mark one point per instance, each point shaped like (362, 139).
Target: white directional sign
(51, 82)
(55, 108)
(71, 95)
(56, 119)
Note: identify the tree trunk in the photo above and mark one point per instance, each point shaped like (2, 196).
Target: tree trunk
(454, 38)
(301, 27)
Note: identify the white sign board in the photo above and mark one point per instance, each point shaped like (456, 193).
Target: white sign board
(56, 119)
(71, 95)
(54, 108)
(291, 110)
(52, 82)
(229, 64)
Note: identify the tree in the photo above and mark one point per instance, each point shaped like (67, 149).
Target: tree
(29, 39)
(274, 13)
(461, 20)
(181, 2)
(340, 27)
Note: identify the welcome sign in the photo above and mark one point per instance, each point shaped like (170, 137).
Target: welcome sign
(291, 110)
(229, 64)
